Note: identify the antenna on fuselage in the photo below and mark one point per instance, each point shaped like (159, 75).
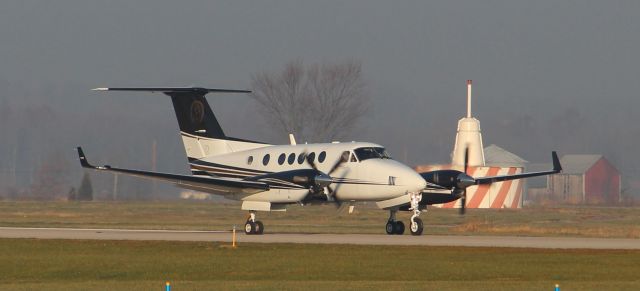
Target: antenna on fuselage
(292, 139)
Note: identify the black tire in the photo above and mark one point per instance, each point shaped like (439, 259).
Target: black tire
(390, 227)
(399, 228)
(417, 228)
(249, 227)
(259, 227)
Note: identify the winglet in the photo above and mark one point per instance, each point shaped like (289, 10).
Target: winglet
(556, 162)
(83, 159)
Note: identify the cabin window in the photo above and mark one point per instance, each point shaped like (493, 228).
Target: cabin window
(353, 158)
(281, 159)
(265, 160)
(322, 156)
(291, 159)
(301, 158)
(312, 156)
(249, 160)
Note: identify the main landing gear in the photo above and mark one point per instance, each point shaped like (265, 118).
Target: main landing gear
(416, 227)
(394, 226)
(253, 226)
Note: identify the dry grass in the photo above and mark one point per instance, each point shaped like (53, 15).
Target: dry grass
(208, 215)
(603, 231)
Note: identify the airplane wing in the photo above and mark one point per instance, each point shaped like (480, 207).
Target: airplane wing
(448, 185)
(557, 168)
(204, 184)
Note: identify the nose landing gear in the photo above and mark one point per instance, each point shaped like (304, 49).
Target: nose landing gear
(415, 224)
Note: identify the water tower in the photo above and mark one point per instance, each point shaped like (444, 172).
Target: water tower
(468, 136)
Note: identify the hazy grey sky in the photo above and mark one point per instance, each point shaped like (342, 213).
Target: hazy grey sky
(534, 63)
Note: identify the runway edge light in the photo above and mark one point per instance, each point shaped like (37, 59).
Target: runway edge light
(233, 239)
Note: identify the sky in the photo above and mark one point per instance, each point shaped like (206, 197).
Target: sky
(548, 75)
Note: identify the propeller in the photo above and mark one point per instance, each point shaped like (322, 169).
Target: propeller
(463, 181)
(463, 199)
(324, 181)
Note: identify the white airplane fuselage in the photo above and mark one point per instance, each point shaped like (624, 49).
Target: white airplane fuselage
(357, 179)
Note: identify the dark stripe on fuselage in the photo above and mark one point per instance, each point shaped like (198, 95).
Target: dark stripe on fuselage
(209, 164)
(237, 172)
(200, 173)
(218, 170)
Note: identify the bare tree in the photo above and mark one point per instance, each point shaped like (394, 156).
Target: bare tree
(85, 192)
(320, 102)
(51, 178)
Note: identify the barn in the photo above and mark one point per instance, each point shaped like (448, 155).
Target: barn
(586, 179)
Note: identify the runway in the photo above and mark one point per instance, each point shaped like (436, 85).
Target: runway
(355, 239)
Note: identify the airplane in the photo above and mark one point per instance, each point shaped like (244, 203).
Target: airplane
(269, 177)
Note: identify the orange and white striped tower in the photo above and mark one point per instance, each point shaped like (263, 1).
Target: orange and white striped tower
(506, 194)
(468, 136)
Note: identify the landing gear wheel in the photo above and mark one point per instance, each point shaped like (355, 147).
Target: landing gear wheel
(399, 228)
(249, 227)
(259, 227)
(391, 227)
(416, 226)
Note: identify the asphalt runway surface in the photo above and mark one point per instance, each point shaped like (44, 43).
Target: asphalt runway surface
(356, 239)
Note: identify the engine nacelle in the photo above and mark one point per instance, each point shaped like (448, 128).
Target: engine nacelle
(449, 179)
(307, 178)
(443, 178)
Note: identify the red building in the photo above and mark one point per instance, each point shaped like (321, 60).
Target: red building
(586, 179)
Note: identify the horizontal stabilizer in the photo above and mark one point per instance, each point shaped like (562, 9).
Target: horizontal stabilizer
(193, 112)
(197, 90)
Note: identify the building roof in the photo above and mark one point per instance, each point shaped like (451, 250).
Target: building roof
(497, 156)
(578, 164)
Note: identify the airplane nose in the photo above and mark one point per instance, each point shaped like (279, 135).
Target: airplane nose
(417, 183)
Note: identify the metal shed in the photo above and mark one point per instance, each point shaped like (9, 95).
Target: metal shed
(588, 179)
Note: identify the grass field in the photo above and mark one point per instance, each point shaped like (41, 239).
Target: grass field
(27, 264)
(208, 215)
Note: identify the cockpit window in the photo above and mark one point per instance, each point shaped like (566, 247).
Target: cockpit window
(371, 153)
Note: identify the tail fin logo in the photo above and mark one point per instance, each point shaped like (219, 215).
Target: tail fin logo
(197, 112)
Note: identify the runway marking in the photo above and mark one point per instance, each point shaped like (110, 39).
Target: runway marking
(354, 239)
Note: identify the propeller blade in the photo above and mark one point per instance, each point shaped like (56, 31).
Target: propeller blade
(330, 193)
(341, 161)
(310, 161)
(463, 202)
(466, 159)
(329, 190)
(468, 181)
